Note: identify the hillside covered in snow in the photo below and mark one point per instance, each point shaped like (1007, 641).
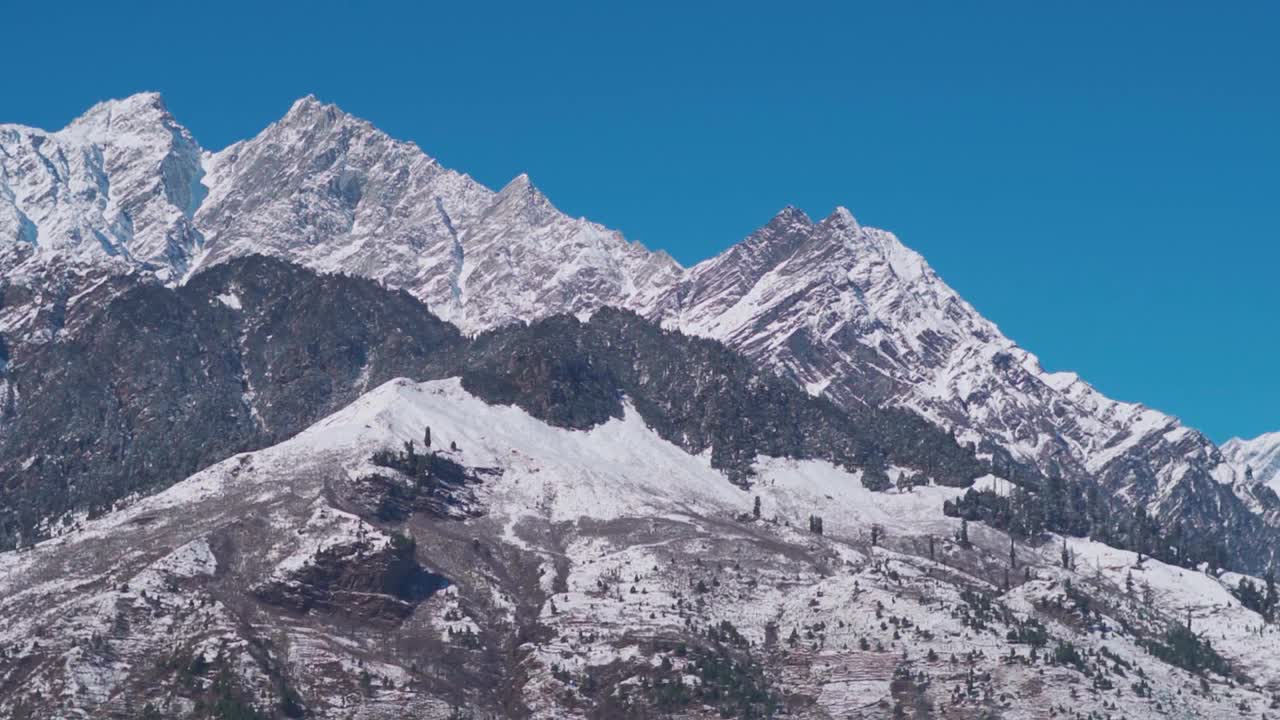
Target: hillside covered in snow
(512, 568)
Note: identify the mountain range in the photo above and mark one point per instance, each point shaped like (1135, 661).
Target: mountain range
(846, 311)
(190, 340)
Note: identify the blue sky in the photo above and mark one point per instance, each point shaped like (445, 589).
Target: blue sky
(1100, 179)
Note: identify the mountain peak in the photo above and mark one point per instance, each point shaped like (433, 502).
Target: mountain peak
(842, 219)
(790, 215)
(309, 111)
(305, 104)
(110, 117)
(768, 246)
(1260, 454)
(521, 192)
(519, 183)
(137, 102)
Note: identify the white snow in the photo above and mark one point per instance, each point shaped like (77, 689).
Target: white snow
(231, 300)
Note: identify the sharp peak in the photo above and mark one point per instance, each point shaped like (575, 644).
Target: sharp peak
(146, 98)
(790, 215)
(310, 109)
(788, 227)
(135, 104)
(520, 181)
(521, 185)
(520, 192)
(841, 218)
(144, 111)
(307, 102)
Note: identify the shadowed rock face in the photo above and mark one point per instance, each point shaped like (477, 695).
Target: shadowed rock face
(410, 482)
(158, 383)
(697, 394)
(380, 584)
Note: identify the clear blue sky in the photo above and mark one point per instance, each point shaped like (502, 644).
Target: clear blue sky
(1100, 179)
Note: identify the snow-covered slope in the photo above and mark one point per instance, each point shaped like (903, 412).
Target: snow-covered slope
(574, 574)
(845, 310)
(1260, 457)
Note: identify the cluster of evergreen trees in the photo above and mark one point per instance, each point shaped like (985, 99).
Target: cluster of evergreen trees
(1260, 599)
(731, 684)
(1078, 509)
(1180, 646)
(425, 468)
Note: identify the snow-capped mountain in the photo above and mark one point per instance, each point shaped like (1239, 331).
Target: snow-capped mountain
(845, 310)
(321, 188)
(331, 192)
(850, 312)
(1259, 457)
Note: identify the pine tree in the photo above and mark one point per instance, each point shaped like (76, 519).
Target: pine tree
(426, 437)
(815, 524)
(756, 510)
(1269, 602)
(411, 458)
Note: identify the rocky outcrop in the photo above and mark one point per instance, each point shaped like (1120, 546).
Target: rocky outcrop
(409, 482)
(367, 578)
